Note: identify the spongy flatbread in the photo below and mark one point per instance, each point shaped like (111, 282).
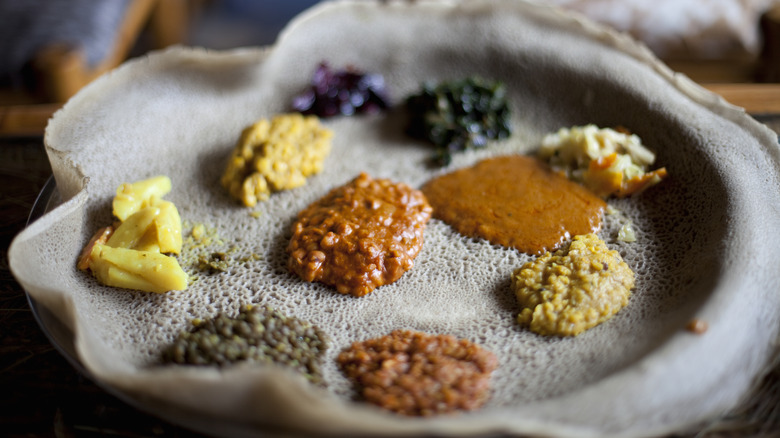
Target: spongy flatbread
(707, 237)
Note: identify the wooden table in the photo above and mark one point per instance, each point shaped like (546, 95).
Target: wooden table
(42, 394)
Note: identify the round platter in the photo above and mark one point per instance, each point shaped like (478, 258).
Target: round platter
(706, 247)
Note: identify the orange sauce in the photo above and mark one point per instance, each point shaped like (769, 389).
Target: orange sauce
(515, 201)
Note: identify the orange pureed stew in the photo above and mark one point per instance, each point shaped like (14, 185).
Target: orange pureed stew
(515, 201)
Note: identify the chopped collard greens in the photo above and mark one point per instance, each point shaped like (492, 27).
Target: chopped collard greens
(459, 115)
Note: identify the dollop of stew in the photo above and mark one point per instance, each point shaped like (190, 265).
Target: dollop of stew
(515, 201)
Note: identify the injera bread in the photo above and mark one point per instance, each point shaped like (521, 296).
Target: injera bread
(707, 243)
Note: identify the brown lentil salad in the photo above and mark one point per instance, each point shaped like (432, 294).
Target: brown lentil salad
(257, 334)
(418, 374)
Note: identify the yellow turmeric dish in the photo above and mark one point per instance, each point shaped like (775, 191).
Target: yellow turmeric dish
(132, 253)
(276, 155)
(608, 162)
(574, 289)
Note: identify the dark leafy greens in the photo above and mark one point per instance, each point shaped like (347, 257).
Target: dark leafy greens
(458, 115)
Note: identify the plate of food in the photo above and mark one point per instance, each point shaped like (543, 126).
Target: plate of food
(412, 218)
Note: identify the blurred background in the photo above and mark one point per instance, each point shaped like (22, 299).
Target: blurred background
(51, 48)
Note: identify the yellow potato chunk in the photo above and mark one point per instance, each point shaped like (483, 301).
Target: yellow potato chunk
(168, 227)
(276, 155)
(154, 228)
(131, 197)
(132, 230)
(574, 289)
(149, 241)
(141, 270)
(131, 254)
